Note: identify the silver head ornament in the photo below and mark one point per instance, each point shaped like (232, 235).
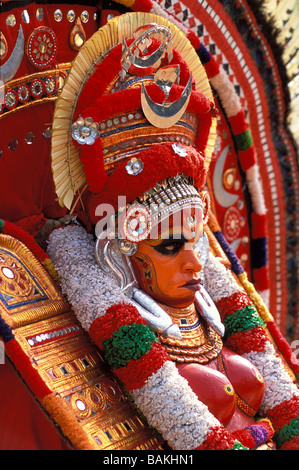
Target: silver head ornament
(133, 59)
(134, 55)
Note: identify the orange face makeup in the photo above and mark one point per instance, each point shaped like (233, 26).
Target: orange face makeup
(168, 267)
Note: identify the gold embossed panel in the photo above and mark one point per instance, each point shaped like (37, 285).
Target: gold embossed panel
(85, 400)
(27, 292)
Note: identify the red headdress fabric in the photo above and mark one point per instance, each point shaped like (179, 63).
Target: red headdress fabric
(159, 163)
(157, 109)
(124, 130)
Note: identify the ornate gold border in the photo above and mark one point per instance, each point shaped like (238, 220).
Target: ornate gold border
(55, 73)
(55, 304)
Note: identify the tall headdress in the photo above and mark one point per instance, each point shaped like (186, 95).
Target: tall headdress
(136, 117)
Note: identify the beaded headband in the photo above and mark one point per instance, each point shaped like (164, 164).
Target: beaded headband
(154, 206)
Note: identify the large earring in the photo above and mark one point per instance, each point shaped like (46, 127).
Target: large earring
(115, 263)
(128, 248)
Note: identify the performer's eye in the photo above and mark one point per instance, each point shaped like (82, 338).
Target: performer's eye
(169, 247)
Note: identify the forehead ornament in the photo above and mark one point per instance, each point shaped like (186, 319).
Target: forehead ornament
(137, 223)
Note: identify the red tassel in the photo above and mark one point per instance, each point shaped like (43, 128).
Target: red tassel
(93, 162)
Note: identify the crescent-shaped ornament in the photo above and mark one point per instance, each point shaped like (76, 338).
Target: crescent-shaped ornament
(165, 115)
(11, 66)
(146, 61)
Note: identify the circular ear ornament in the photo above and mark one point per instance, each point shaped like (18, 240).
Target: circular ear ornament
(127, 248)
(137, 224)
(206, 200)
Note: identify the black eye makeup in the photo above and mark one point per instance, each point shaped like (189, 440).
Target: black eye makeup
(172, 245)
(169, 247)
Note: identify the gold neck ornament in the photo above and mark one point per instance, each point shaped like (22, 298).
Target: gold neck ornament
(199, 342)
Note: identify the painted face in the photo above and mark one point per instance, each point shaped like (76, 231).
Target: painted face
(168, 267)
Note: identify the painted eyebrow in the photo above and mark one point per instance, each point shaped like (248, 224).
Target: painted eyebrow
(171, 238)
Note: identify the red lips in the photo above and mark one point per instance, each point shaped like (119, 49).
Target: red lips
(193, 284)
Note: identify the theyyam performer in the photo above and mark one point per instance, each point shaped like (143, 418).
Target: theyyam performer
(175, 325)
(138, 335)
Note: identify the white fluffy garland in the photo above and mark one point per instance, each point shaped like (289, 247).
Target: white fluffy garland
(219, 281)
(279, 385)
(87, 288)
(166, 399)
(184, 427)
(91, 293)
